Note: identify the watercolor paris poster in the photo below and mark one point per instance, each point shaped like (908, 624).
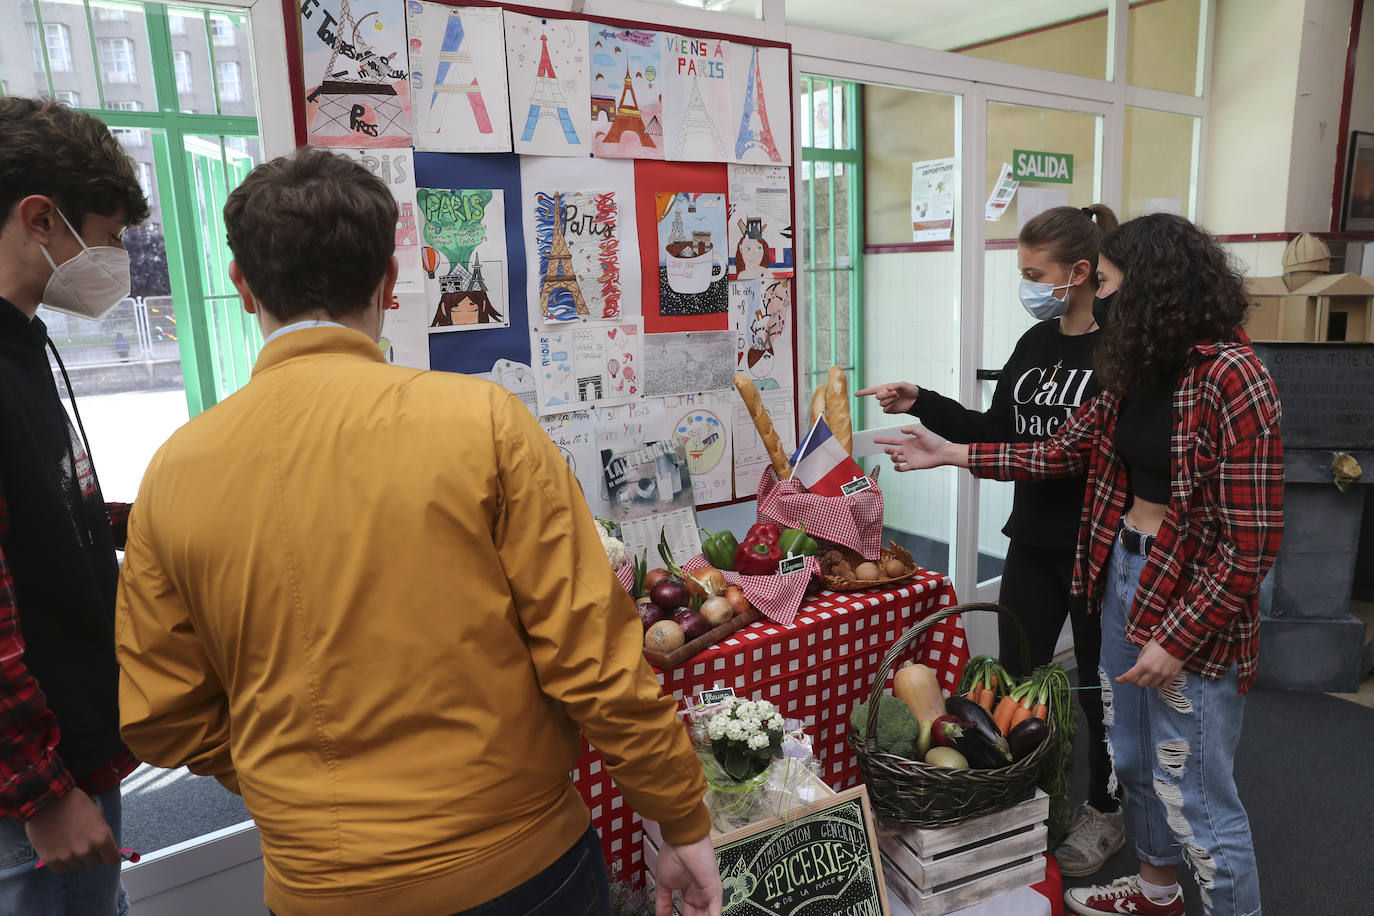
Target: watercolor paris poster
(356, 70)
(464, 258)
(458, 76)
(627, 101)
(547, 65)
(697, 120)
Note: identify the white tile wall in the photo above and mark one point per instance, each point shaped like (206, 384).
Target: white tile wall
(910, 307)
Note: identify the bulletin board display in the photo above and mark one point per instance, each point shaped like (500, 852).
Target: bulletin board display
(595, 214)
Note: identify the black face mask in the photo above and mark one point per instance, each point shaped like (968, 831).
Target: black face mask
(1102, 308)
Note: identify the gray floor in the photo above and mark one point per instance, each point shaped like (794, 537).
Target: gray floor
(1302, 769)
(166, 807)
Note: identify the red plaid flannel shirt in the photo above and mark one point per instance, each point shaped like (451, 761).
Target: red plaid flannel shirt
(1199, 592)
(32, 775)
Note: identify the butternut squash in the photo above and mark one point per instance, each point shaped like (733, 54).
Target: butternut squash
(917, 687)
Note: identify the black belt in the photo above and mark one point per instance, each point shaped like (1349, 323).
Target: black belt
(1134, 541)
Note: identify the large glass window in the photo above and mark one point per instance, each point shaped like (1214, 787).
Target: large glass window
(181, 61)
(117, 60)
(1160, 169)
(831, 202)
(1068, 36)
(59, 39)
(180, 341)
(1165, 41)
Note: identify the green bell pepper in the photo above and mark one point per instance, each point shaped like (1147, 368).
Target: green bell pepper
(796, 542)
(720, 548)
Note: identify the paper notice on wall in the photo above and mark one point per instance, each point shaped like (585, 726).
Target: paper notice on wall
(697, 120)
(932, 200)
(689, 362)
(750, 455)
(761, 312)
(650, 489)
(396, 169)
(1002, 194)
(1034, 201)
(574, 435)
(704, 423)
(547, 67)
(357, 89)
(405, 337)
(586, 366)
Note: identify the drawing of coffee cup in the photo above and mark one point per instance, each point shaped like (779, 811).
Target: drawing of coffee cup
(692, 275)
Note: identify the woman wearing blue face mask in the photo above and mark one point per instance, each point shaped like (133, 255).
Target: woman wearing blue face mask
(1048, 376)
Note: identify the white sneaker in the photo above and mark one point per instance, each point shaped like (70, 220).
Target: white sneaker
(1093, 837)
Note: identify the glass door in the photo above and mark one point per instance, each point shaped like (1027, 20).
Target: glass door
(1058, 154)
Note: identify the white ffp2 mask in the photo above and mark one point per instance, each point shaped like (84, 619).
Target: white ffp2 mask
(90, 284)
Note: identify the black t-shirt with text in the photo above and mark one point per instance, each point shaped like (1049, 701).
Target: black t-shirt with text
(1047, 378)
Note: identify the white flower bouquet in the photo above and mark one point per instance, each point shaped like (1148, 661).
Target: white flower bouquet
(745, 736)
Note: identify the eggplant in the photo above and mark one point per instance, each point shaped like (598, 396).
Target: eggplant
(1026, 737)
(994, 750)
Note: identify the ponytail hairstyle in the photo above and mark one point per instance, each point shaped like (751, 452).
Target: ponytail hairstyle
(1178, 288)
(1071, 234)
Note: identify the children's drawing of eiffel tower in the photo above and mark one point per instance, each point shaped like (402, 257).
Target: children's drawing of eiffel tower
(762, 135)
(547, 100)
(628, 116)
(341, 91)
(696, 120)
(560, 273)
(457, 75)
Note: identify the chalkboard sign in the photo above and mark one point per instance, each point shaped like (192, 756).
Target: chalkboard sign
(823, 861)
(1327, 392)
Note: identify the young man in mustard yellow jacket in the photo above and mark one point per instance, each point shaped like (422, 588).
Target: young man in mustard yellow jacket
(372, 601)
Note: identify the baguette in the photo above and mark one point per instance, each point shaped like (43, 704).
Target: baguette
(782, 467)
(817, 405)
(837, 408)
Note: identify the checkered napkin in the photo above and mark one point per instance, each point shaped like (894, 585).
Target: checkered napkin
(778, 597)
(626, 575)
(854, 521)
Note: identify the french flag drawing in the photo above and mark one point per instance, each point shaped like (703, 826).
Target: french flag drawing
(822, 465)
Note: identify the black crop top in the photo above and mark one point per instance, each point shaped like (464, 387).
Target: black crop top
(1144, 432)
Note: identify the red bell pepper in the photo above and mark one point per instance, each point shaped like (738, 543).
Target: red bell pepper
(759, 553)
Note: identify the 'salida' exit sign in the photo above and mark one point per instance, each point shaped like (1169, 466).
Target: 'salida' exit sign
(1038, 167)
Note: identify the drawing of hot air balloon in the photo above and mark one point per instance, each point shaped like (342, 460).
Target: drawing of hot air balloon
(429, 260)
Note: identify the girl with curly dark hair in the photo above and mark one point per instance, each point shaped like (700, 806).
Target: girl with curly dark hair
(1183, 519)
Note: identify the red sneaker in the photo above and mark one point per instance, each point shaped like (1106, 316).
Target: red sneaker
(1121, 896)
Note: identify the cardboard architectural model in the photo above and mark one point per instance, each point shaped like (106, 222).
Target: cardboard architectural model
(1309, 303)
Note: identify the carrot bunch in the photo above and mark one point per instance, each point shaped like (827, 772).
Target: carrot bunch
(984, 680)
(1025, 701)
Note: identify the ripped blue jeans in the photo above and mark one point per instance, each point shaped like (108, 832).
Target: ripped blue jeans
(1173, 753)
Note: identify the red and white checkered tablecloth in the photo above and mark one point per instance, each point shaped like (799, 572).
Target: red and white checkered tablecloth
(815, 670)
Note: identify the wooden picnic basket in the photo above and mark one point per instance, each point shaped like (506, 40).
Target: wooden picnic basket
(916, 794)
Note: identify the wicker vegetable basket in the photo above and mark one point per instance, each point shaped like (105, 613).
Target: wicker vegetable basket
(844, 584)
(916, 794)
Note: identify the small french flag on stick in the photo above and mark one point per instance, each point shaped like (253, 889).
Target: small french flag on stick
(822, 464)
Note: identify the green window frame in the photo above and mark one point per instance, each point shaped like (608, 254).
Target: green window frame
(196, 169)
(833, 267)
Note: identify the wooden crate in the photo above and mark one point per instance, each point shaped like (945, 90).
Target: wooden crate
(941, 870)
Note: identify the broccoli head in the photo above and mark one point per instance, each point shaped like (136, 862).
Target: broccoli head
(897, 728)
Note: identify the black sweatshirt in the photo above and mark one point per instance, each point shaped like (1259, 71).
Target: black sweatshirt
(1032, 400)
(60, 549)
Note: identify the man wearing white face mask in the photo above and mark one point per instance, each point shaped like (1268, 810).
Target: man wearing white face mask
(67, 193)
